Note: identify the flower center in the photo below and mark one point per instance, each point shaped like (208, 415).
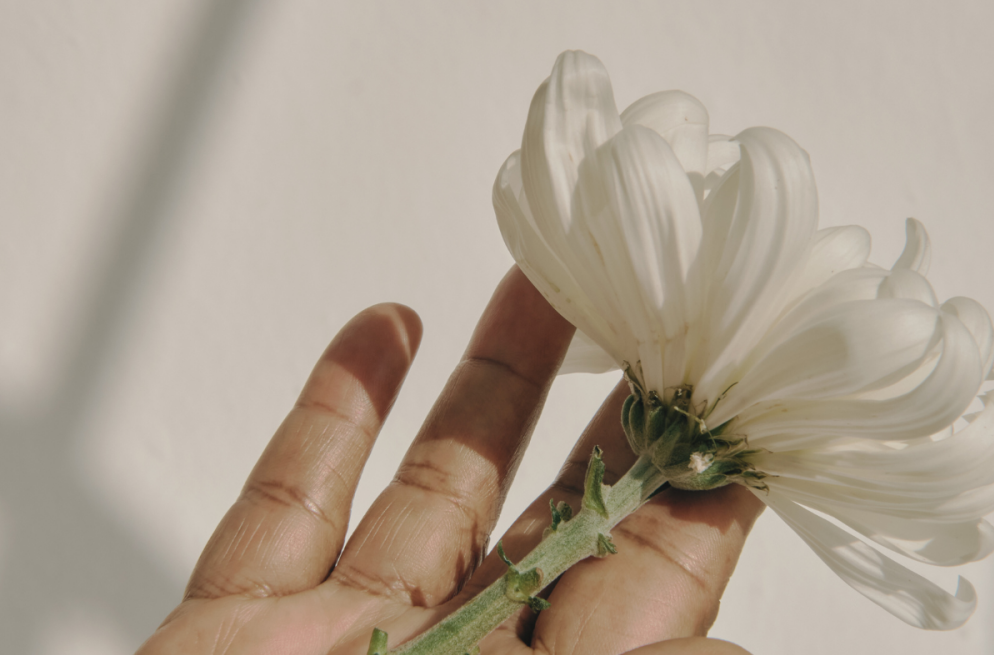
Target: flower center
(672, 434)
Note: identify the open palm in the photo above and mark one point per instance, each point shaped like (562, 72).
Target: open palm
(274, 578)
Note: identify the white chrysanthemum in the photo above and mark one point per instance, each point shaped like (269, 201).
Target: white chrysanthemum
(696, 259)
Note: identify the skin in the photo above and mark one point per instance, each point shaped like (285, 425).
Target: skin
(278, 578)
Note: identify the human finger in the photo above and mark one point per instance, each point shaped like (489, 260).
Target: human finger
(525, 533)
(287, 527)
(427, 531)
(691, 646)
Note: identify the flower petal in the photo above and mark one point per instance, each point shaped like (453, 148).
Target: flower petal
(637, 224)
(571, 115)
(682, 120)
(930, 407)
(723, 153)
(768, 238)
(835, 249)
(905, 594)
(956, 505)
(906, 283)
(857, 346)
(585, 356)
(960, 461)
(978, 321)
(540, 264)
(905, 511)
(939, 544)
(917, 253)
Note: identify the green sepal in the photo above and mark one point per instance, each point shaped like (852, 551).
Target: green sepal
(538, 604)
(605, 546)
(655, 423)
(626, 420)
(644, 421)
(377, 643)
(661, 452)
(633, 423)
(593, 491)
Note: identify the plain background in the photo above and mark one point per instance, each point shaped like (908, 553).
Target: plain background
(196, 194)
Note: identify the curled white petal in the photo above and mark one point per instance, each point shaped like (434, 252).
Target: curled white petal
(835, 249)
(931, 406)
(756, 252)
(571, 115)
(939, 544)
(847, 349)
(540, 264)
(903, 593)
(978, 321)
(636, 226)
(906, 283)
(917, 253)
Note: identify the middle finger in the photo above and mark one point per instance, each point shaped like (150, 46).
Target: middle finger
(428, 530)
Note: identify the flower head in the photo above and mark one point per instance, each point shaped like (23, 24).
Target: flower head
(772, 353)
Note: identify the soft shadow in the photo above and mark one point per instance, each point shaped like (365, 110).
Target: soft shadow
(63, 548)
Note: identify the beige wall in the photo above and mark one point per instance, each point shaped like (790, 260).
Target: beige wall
(194, 196)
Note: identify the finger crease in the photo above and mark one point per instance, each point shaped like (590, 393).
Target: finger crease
(489, 362)
(462, 502)
(319, 407)
(642, 541)
(396, 590)
(288, 496)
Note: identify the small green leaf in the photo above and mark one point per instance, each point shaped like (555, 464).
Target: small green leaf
(593, 491)
(557, 516)
(605, 546)
(565, 510)
(377, 643)
(503, 556)
(522, 585)
(538, 604)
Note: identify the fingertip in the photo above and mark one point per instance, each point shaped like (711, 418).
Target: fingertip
(520, 328)
(374, 349)
(406, 321)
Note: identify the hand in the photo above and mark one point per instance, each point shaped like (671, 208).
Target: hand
(271, 580)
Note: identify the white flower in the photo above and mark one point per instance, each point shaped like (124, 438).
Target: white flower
(697, 260)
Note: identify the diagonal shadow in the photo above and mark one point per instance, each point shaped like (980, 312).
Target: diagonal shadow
(62, 550)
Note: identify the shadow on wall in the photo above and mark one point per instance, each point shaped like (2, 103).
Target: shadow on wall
(63, 550)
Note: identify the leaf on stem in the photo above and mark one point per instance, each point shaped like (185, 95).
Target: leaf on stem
(605, 546)
(593, 487)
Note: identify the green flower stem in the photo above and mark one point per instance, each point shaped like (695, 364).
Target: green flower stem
(582, 536)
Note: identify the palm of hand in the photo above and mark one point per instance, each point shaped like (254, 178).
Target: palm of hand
(275, 579)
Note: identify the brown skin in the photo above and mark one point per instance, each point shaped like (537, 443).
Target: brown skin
(275, 580)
